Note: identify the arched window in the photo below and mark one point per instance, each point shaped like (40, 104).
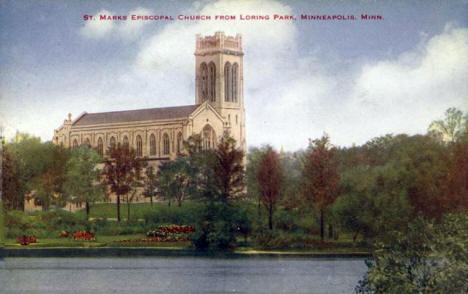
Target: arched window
(125, 142)
(152, 145)
(75, 143)
(100, 147)
(112, 143)
(204, 81)
(208, 137)
(227, 81)
(235, 74)
(212, 81)
(139, 146)
(179, 142)
(165, 144)
(87, 143)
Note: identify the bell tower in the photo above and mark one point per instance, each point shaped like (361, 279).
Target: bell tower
(219, 79)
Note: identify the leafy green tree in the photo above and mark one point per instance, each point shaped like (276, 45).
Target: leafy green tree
(200, 169)
(425, 258)
(83, 177)
(25, 160)
(217, 225)
(229, 172)
(372, 202)
(270, 181)
(173, 180)
(13, 188)
(49, 185)
(292, 164)
(451, 128)
(320, 177)
(424, 169)
(254, 158)
(121, 169)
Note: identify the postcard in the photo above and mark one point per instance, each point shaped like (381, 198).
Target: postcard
(272, 146)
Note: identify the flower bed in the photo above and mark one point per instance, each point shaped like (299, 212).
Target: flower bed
(83, 235)
(157, 239)
(26, 240)
(173, 230)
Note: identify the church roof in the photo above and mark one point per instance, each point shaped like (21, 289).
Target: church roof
(135, 115)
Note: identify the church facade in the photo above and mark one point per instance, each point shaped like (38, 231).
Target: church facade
(158, 133)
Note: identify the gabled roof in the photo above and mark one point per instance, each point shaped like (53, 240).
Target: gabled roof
(135, 115)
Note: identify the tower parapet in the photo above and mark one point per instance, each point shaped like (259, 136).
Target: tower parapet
(219, 43)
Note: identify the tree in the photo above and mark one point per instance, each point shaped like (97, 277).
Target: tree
(426, 258)
(13, 188)
(25, 161)
(150, 184)
(220, 182)
(270, 180)
(49, 185)
(458, 200)
(229, 170)
(320, 176)
(83, 175)
(451, 128)
(120, 171)
(371, 201)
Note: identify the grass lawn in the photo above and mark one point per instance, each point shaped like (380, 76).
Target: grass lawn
(101, 241)
(137, 210)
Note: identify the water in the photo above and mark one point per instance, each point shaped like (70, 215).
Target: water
(179, 275)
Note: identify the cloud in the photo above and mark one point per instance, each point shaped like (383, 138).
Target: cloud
(407, 93)
(97, 29)
(132, 29)
(127, 30)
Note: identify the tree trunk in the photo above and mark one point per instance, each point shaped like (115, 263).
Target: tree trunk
(169, 203)
(128, 209)
(118, 207)
(151, 200)
(270, 217)
(87, 210)
(321, 225)
(330, 231)
(355, 235)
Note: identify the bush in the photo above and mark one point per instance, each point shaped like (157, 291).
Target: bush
(216, 228)
(46, 224)
(428, 258)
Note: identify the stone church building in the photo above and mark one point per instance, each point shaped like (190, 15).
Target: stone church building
(158, 133)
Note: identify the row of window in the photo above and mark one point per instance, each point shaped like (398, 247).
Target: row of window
(139, 144)
(207, 84)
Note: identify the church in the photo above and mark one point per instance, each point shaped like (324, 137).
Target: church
(158, 133)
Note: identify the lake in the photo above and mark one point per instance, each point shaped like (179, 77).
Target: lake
(180, 275)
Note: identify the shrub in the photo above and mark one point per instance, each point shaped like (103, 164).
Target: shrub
(428, 258)
(216, 228)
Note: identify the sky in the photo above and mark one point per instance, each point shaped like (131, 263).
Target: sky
(352, 79)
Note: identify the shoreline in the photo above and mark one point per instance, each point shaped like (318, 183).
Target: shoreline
(162, 252)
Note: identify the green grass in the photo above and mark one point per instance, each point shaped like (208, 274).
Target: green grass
(101, 241)
(137, 210)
